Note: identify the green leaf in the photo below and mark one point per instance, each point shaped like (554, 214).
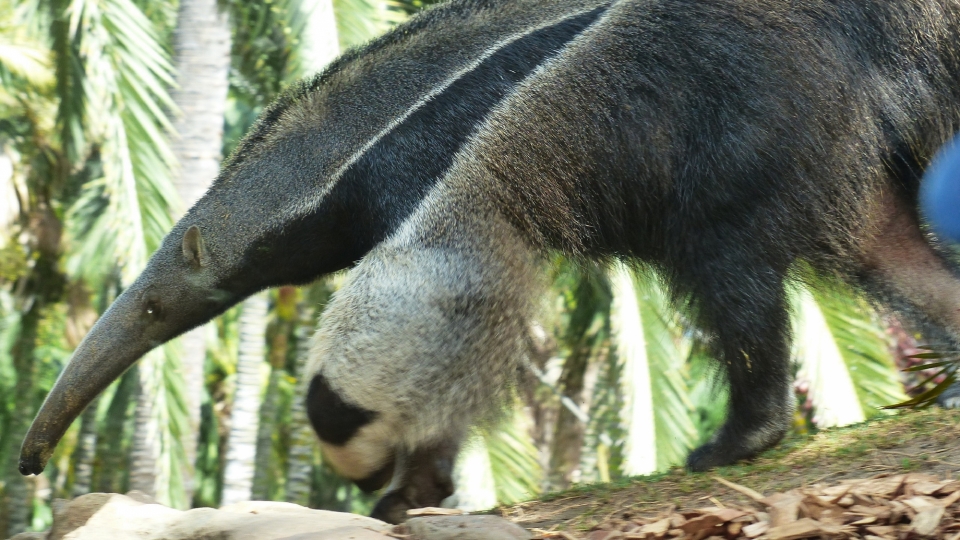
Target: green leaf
(925, 356)
(854, 331)
(928, 397)
(651, 345)
(359, 21)
(924, 367)
(514, 460)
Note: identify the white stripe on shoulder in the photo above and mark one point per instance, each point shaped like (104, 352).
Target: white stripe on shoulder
(306, 206)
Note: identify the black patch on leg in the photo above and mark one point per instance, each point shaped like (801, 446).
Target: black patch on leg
(334, 420)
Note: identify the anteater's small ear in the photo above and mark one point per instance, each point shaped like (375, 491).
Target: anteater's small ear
(193, 250)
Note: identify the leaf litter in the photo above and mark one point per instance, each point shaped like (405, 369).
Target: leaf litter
(826, 486)
(884, 507)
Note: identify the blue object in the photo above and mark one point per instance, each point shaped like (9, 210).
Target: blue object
(940, 192)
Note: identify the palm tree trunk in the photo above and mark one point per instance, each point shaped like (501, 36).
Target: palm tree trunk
(41, 288)
(300, 460)
(245, 416)
(285, 313)
(108, 477)
(264, 451)
(202, 58)
(193, 348)
(145, 445)
(569, 430)
(86, 450)
(201, 46)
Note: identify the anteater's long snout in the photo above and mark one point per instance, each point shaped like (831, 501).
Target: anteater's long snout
(112, 346)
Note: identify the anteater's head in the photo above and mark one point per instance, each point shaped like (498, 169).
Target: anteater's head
(267, 220)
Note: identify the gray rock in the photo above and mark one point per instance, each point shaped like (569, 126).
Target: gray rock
(105, 516)
(30, 536)
(465, 528)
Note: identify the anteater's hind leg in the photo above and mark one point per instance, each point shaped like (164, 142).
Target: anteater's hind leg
(898, 259)
(899, 262)
(741, 301)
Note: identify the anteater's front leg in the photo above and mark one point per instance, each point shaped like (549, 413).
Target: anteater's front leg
(422, 342)
(424, 478)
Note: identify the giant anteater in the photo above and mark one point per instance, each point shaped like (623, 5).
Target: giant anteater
(719, 141)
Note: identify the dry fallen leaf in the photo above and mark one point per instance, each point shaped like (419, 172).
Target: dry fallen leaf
(802, 528)
(885, 507)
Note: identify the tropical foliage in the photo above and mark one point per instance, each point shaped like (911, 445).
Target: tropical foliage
(618, 382)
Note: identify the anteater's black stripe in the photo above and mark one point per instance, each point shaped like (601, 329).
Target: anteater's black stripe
(382, 188)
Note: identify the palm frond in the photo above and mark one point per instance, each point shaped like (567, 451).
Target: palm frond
(861, 343)
(266, 36)
(822, 366)
(359, 21)
(514, 460)
(708, 392)
(651, 347)
(31, 62)
(640, 446)
(121, 217)
(473, 476)
(667, 351)
(23, 52)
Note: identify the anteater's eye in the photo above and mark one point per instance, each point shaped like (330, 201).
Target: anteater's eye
(152, 308)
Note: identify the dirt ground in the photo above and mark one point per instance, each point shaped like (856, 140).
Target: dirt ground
(912, 442)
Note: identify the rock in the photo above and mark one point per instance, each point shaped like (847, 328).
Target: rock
(465, 528)
(29, 536)
(118, 517)
(70, 515)
(343, 533)
(140, 496)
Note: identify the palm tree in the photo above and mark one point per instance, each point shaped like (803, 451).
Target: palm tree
(846, 368)
(120, 217)
(585, 304)
(653, 351)
(201, 44)
(302, 445)
(279, 336)
(99, 155)
(26, 77)
(245, 415)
